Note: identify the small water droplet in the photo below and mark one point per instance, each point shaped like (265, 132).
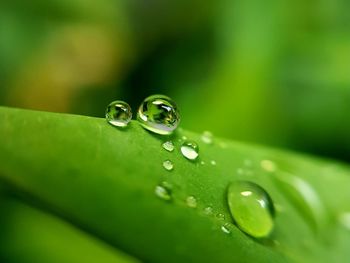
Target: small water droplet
(168, 165)
(344, 219)
(190, 150)
(208, 210)
(158, 114)
(163, 191)
(169, 146)
(118, 113)
(220, 216)
(191, 201)
(251, 207)
(202, 163)
(226, 228)
(268, 166)
(207, 137)
(212, 162)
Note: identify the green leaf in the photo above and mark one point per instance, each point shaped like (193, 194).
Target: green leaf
(101, 180)
(30, 235)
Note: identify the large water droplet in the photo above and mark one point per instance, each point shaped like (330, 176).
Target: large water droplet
(168, 165)
(191, 201)
(251, 208)
(304, 198)
(159, 114)
(190, 150)
(169, 146)
(118, 113)
(207, 137)
(163, 191)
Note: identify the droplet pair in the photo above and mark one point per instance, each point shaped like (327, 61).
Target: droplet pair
(157, 113)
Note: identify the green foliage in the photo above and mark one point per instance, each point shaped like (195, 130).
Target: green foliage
(65, 174)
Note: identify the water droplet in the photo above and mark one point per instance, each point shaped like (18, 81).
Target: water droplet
(184, 138)
(118, 113)
(268, 166)
(163, 191)
(202, 163)
(220, 216)
(304, 198)
(191, 201)
(212, 162)
(226, 228)
(344, 219)
(207, 137)
(208, 210)
(158, 114)
(251, 207)
(168, 165)
(169, 146)
(190, 150)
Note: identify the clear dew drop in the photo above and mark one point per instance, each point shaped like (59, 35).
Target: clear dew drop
(212, 162)
(158, 114)
(168, 165)
(207, 137)
(169, 146)
(191, 201)
(190, 150)
(163, 191)
(118, 113)
(251, 208)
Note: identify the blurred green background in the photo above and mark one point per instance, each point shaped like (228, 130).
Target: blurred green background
(271, 72)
